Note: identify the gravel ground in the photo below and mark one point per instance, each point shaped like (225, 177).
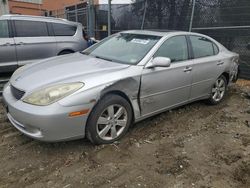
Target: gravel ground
(193, 146)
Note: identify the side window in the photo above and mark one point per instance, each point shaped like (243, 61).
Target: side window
(202, 46)
(175, 48)
(4, 30)
(30, 28)
(64, 29)
(216, 49)
(50, 29)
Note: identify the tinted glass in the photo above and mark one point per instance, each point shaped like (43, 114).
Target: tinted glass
(124, 48)
(50, 29)
(174, 48)
(202, 47)
(4, 31)
(64, 29)
(216, 49)
(30, 29)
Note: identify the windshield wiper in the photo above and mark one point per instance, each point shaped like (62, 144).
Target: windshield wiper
(98, 57)
(85, 53)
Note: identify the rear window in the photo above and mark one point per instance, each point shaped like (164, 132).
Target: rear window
(4, 31)
(64, 29)
(202, 46)
(30, 28)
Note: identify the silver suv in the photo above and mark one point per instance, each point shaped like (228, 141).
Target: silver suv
(28, 39)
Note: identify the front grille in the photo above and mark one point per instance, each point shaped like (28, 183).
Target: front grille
(18, 94)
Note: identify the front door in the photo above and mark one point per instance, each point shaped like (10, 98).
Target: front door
(166, 87)
(7, 47)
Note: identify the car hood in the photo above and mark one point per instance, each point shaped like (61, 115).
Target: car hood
(68, 68)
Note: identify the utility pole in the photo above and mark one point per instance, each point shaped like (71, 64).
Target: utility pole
(144, 14)
(192, 16)
(91, 18)
(4, 7)
(109, 17)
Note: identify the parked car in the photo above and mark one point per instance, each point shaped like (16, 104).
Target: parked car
(123, 79)
(28, 39)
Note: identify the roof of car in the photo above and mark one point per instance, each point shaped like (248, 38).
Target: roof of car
(160, 33)
(36, 18)
(164, 33)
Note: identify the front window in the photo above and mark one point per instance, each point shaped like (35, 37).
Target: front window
(124, 48)
(174, 48)
(4, 31)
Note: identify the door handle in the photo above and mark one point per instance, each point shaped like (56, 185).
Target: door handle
(220, 63)
(188, 69)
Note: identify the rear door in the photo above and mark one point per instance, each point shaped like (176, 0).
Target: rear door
(7, 46)
(33, 41)
(207, 66)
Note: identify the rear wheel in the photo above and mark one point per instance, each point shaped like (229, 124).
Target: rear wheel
(218, 90)
(109, 120)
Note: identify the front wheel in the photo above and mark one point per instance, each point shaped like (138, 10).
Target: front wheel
(218, 90)
(109, 120)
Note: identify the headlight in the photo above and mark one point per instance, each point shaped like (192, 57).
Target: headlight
(52, 94)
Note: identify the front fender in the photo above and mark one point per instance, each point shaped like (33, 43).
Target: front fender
(128, 86)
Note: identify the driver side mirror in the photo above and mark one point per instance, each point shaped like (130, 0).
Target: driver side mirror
(159, 62)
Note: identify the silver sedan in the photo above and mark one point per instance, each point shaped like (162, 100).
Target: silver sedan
(121, 80)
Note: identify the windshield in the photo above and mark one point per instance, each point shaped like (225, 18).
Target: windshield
(124, 48)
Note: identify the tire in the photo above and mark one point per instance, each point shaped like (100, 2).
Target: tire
(105, 125)
(65, 52)
(218, 91)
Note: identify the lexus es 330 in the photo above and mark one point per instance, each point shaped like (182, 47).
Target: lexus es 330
(125, 78)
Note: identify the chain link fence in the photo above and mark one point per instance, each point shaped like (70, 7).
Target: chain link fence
(228, 21)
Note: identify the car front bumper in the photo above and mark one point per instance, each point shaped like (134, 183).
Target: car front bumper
(45, 123)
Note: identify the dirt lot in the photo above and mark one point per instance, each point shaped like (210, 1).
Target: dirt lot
(193, 146)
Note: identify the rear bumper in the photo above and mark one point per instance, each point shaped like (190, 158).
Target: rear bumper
(49, 123)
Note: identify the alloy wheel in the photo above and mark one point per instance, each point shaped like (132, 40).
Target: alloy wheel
(112, 122)
(218, 90)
